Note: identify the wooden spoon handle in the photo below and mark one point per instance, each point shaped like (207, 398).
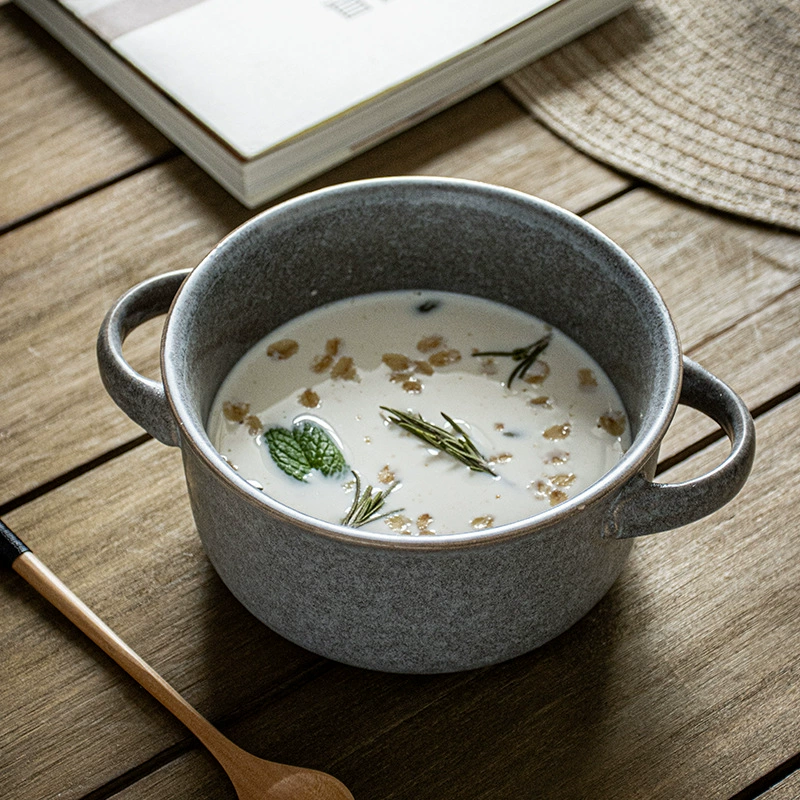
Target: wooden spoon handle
(15, 553)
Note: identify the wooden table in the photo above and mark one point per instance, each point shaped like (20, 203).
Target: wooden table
(682, 683)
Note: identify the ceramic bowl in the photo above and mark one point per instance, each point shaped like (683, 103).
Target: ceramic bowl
(425, 603)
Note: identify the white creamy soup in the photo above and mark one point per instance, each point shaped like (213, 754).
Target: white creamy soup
(418, 413)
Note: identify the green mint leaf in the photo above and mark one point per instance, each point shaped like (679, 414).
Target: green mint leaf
(319, 449)
(304, 448)
(287, 453)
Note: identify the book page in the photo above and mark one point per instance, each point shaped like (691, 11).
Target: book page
(258, 72)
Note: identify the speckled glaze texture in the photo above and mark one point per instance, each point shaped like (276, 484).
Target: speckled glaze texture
(425, 603)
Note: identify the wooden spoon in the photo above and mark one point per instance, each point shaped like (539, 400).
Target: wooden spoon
(252, 777)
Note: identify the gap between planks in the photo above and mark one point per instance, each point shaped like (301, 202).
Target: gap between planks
(771, 780)
(39, 213)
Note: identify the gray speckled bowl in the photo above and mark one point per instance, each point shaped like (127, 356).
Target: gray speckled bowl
(425, 603)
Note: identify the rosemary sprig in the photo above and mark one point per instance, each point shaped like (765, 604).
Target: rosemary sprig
(457, 444)
(366, 506)
(526, 356)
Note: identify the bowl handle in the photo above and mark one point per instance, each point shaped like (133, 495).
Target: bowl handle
(142, 399)
(645, 506)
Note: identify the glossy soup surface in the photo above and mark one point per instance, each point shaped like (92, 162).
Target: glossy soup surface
(551, 434)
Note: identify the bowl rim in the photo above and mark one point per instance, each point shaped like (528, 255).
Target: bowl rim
(642, 449)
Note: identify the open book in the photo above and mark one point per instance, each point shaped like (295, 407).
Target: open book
(265, 94)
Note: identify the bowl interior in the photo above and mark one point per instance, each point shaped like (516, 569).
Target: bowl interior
(423, 234)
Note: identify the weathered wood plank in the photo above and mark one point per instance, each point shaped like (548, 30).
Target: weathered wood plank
(60, 276)
(721, 278)
(489, 138)
(61, 129)
(61, 273)
(771, 338)
(711, 269)
(682, 682)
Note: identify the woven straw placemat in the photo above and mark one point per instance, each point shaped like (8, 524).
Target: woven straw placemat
(699, 98)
